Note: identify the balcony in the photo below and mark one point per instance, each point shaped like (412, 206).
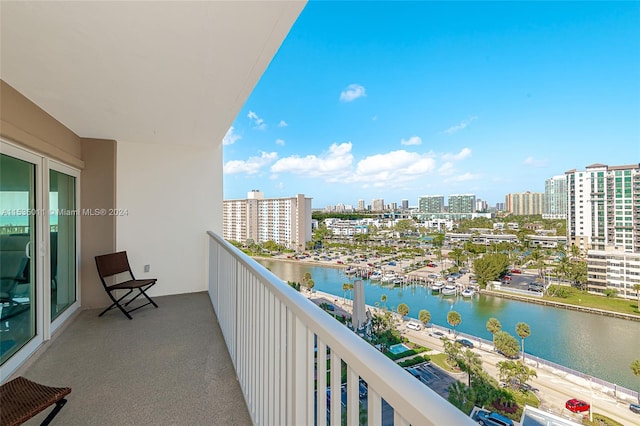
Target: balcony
(249, 359)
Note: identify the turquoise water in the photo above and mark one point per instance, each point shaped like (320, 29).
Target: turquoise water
(398, 349)
(597, 345)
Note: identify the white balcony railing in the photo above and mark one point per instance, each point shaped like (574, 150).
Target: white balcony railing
(273, 334)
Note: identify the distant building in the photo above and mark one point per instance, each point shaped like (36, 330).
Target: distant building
(405, 204)
(500, 207)
(377, 205)
(613, 269)
(462, 203)
(431, 204)
(481, 205)
(524, 203)
(286, 221)
(604, 207)
(361, 205)
(554, 205)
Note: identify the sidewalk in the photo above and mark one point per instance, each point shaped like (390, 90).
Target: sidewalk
(554, 387)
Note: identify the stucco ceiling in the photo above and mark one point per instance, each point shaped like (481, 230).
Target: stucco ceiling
(146, 71)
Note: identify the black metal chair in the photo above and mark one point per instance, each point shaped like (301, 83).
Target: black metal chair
(110, 265)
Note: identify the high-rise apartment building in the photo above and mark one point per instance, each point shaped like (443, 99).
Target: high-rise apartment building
(462, 203)
(286, 221)
(554, 203)
(361, 206)
(524, 203)
(431, 204)
(377, 205)
(405, 204)
(604, 207)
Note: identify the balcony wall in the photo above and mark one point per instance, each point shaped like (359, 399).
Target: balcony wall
(275, 337)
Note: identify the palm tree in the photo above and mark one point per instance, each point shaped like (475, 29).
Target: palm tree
(493, 326)
(424, 316)
(454, 319)
(383, 299)
(403, 309)
(635, 368)
(471, 363)
(523, 330)
(345, 288)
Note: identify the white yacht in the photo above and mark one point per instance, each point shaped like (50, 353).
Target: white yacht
(449, 290)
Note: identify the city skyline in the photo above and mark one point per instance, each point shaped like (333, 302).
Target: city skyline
(370, 100)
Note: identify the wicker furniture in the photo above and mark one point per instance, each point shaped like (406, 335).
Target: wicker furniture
(21, 399)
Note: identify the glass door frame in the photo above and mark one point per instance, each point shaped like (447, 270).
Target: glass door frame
(44, 327)
(68, 312)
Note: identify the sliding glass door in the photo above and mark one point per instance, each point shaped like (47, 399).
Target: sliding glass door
(18, 230)
(38, 251)
(62, 237)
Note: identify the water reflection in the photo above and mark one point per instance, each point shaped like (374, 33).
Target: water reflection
(601, 346)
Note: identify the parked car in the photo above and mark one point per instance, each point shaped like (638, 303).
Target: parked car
(577, 405)
(412, 325)
(491, 418)
(465, 342)
(516, 271)
(437, 334)
(635, 408)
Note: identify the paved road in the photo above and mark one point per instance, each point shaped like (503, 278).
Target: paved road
(554, 387)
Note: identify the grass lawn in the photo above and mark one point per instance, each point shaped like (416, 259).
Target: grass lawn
(441, 361)
(579, 298)
(600, 420)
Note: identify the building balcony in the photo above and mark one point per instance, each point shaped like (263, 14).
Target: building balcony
(245, 352)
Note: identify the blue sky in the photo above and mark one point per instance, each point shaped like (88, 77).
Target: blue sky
(396, 100)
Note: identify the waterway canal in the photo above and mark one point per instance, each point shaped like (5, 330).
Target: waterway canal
(597, 345)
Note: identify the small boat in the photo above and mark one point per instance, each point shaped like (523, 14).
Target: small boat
(467, 292)
(449, 290)
(436, 287)
(350, 270)
(389, 277)
(375, 276)
(398, 281)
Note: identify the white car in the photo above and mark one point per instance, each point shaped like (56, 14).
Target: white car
(414, 325)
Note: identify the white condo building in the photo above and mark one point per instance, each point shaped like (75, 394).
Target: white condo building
(286, 221)
(554, 205)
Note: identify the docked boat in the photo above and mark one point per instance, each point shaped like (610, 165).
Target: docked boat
(467, 292)
(375, 276)
(389, 277)
(449, 290)
(436, 287)
(350, 270)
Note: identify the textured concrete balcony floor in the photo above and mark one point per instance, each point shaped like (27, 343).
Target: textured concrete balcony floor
(167, 366)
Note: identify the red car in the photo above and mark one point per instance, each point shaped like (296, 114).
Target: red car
(516, 271)
(577, 406)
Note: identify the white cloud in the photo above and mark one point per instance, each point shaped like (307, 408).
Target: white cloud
(453, 129)
(392, 169)
(352, 92)
(530, 161)
(446, 169)
(330, 165)
(230, 137)
(413, 140)
(464, 153)
(280, 142)
(251, 166)
(258, 123)
(283, 123)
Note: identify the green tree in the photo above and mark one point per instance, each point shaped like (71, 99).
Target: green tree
(493, 326)
(636, 287)
(452, 350)
(635, 367)
(523, 330)
(461, 396)
(471, 363)
(454, 319)
(456, 254)
(424, 316)
(383, 299)
(403, 309)
(489, 267)
(506, 343)
(345, 288)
